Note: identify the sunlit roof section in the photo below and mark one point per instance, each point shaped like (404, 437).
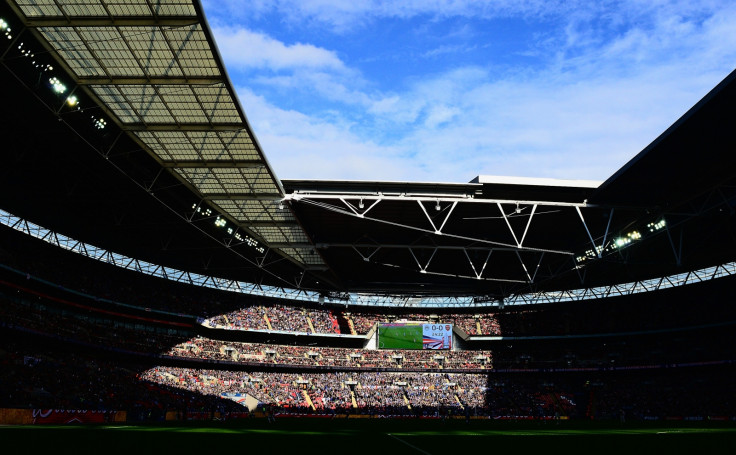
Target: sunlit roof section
(105, 8)
(154, 67)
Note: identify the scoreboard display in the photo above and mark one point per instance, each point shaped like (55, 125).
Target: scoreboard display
(407, 335)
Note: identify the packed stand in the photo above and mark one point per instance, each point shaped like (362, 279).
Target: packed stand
(208, 349)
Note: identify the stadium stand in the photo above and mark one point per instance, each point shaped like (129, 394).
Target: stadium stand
(542, 332)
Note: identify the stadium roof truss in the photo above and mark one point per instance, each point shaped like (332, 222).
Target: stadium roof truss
(438, 213)
(153, 68)
(359, 299)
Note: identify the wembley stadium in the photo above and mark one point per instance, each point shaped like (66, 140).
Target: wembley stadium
(155, 269)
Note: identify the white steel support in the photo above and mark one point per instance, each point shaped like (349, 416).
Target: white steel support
(429, 231)
(356, 299)
(423, 269)
(478, 275)
(592, 242)
(437, 230)
(366, 258)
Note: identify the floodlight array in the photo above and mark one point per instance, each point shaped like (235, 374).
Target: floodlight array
(55, 83)
(5, 28)
(232, 230)
(621, 241)
(357, 299)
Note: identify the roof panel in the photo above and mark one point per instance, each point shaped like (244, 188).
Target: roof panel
(304, 255)
(193, 51)
(255, 210)
(83, 9)
(97, 8)
(271, 234)
(39, 8)
(71, 47)
(143, 64)
(151, 50)
(239, 144)
(111, 96)
(217, 103)
(129, 9)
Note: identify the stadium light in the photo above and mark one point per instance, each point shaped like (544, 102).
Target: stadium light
(620, 242)
(99, 123)
(4, 26)
(659, 225)
(72, 101)
(57, 85)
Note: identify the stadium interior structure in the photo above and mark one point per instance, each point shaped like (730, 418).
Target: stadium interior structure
(154, 267)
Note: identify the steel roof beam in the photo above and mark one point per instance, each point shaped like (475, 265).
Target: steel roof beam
(288, 223)
(217, 164)
(242, 196)
(149, 80)
(297, 245)
(182, 126)
(369, 198)
(325, 245)
(102, 21)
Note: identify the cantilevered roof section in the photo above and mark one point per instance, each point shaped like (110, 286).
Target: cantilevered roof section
(153, 67)
(534, 181)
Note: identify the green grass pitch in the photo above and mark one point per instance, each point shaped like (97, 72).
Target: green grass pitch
(377, 436)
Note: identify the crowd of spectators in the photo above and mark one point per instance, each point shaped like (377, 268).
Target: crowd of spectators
(277, 317)
(88, 302)
(204, 348)
(363, 392)
(38, 375)
(108, 283)
(662, 395)
(26, 313)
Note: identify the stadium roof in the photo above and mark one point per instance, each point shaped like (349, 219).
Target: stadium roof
(126, 132)
(153, 68)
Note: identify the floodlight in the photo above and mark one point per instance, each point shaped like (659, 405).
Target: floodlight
(99, 123)
(72, 101)
(57, 85)
(5, 27)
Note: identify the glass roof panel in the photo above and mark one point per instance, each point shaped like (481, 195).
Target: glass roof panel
(70, 46)
(138, 52)
(105, 8)
(37, 8)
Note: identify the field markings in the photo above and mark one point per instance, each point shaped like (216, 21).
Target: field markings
(410, 445)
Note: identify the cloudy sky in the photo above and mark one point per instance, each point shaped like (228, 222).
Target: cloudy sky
(443, 91)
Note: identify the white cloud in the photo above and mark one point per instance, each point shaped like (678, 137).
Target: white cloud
(600, 97)
(345, 16)
(300, 146)
(248, 49)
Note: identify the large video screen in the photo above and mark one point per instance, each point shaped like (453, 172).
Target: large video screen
(404, 335)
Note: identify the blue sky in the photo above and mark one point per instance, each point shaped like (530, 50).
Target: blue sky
(443, 91)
